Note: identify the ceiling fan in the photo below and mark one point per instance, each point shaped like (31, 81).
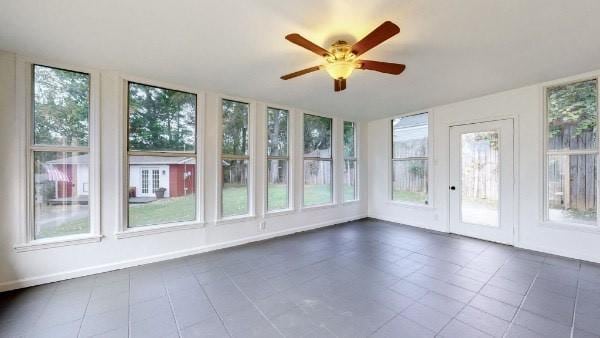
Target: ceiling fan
(342, 58)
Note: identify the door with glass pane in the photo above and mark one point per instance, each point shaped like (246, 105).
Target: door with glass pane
(150, 178)
(481, 180)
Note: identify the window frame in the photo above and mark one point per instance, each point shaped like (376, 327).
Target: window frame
(220, 219)
(123, 230)
(332, 159)
(355, 159)
(26, 240)
(546, 153)
(428, 159)
(289, 158)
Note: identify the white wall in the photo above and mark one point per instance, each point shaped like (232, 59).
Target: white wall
(18, 269)
(525, 105)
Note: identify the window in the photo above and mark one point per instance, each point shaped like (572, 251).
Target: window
(410, 159)
(60, 150)
(235, 159)
(161, 155)
(278, 160)
(318, 161)
(350, 192)
(571, 152)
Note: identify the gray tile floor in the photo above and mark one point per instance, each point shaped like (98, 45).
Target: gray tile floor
(359, 279)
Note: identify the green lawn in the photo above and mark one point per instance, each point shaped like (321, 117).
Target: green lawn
(168, 210)
(277, 198)
(180, 209)
(70, 227)
(315, 194)
(235, 200)
(408, 196)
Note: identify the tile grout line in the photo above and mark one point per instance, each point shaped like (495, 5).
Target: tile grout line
(254, 305)
(42, 311)
(162, 277)
(212, 305)
(576, 299)
(520, 307)
(476, 293)
(129, 305)
(86, 307)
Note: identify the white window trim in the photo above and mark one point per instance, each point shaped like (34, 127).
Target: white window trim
(25, 240)
(430, 161)
(544, 212)
(290, 159)
(356, 159)
(220, 220)
(123, 230)
(334, 158)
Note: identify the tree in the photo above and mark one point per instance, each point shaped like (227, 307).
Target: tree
(161, 119)
(317, 135)
(60, 107)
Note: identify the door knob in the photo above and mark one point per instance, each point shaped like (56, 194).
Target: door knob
(452, 187)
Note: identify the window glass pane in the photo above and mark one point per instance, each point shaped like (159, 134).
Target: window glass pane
(235, 128)
(162, 189)
(317, 182)
(409, 136)
(161, 119)
(61, 104)
(277, 132)
(349, 140)
(235, 188)
(572, 116)
(60, 193)
(480, 168)
(349, 180)
(572, 188)
(317, 136)
(277, 189)
(409, 181)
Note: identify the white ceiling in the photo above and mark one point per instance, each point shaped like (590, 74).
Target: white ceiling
(453, 49)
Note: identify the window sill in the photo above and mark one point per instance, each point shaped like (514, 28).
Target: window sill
(353, 202)
(41, 244)
(234, 219)
(319, 207)
(411, 205)
(571, 226)
(157, 229)
(276, 213)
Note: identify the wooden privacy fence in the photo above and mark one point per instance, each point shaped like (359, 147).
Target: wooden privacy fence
(572, 176)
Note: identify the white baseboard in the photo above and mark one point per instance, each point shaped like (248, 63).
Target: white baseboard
(32, 281)
(559, 252)
(423, 226)
(520, 245)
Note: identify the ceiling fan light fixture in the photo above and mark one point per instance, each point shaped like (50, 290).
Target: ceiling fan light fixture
(340, 69)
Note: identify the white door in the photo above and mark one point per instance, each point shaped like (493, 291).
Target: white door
(150, 181)
(482, 181)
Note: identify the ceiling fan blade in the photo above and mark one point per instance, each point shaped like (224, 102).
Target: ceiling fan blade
(385, 31)
(305, 43)
(339, 84)
(300, 72)
(383, 67)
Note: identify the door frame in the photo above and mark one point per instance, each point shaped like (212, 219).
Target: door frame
(150, 180)
(516, 158)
